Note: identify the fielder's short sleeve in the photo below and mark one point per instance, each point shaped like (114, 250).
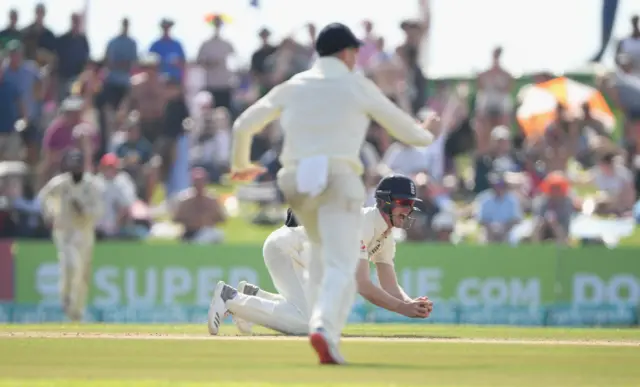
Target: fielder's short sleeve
(377, 244)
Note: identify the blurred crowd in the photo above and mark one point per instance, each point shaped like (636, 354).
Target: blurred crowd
(148, 120)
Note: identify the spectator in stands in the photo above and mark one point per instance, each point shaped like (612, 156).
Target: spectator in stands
(389, 73)
(212, 147)
(594, 138)
(560, 141)
(623, 88)
(12, 108)
(199, 212)
(630, 47)
(263, 142)
(500, 157)
(422, 227)
(494, 105)
(309, 50)
(271, 161)
(444, 224)
(9, 192)
(499, 210)
(259, 69)
(87, 86)
(370, 158)
(121, 56)
(553, 210)
(379, 138)
(27, 78)
(615, 183)
(119, 194)
(28, 212)
(173, 144)
(11, 32)
(415, 32)
(39, 41)
(148, 96)
(67, 131)
(533, 171)
(213, 56)
(136, 158)
(72, 49)
(370, 46)
(289, 59)
(170, 51)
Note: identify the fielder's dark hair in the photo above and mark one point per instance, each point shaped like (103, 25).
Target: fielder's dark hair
(291, 220)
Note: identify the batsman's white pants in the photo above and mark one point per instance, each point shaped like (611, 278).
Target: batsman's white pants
(333, 222)
(286, 312)
(75, 251)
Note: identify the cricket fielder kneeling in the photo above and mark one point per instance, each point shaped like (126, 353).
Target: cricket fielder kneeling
(72, 203)
(286, 255)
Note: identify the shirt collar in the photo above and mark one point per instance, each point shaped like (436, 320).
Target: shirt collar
(330, 66)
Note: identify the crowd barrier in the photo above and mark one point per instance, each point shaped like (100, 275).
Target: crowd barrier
(525, 285)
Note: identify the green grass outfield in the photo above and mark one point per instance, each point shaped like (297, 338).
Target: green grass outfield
(428, 355)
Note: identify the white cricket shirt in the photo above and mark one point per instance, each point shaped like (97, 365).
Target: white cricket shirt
(377, 243)
(56, 196)
(324, 111)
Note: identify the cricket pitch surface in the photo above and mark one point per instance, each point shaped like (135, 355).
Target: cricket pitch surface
(91, 355)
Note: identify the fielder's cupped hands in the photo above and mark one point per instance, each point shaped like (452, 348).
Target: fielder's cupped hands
(427, 303)
(418, 308)
(247, 174)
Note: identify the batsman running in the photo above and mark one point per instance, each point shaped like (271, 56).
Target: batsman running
(286, 256)
(72, 203)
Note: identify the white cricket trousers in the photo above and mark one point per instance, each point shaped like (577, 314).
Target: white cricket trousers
(333, 223)
(287, 311)
(75, 251)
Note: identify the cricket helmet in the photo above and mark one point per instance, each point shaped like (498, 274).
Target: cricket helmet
(397, 191)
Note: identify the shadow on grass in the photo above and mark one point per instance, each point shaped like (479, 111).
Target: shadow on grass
(405, 336)
(390, 337)
(421, 367)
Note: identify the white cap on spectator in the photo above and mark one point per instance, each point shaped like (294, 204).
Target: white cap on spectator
(500, 132)
(72, 104)
(203, 99)
(443, 221)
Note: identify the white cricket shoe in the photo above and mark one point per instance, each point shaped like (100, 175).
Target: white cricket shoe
(244, 326)
(217, 308)
(327, 351)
